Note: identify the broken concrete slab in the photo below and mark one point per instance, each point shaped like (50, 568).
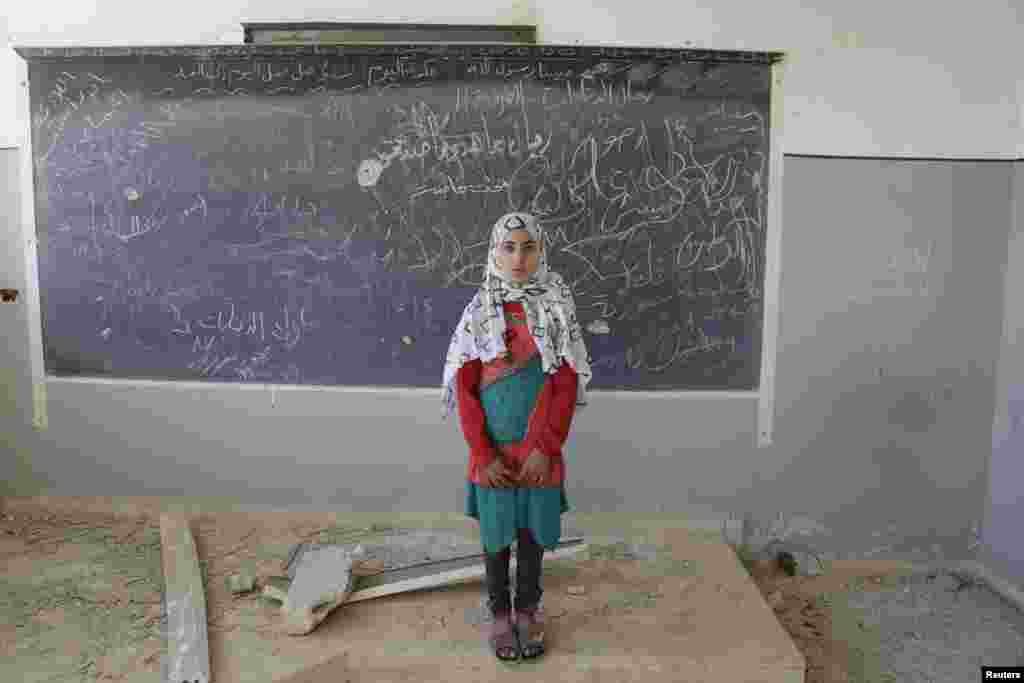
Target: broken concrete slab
(399, 580)
(188, 650)
(322, 580)
(402, 548)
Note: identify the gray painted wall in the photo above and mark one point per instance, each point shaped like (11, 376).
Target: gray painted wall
(16, 396)
(891, 320)
(1003, 550)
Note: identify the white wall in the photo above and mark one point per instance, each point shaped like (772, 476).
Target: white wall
(1020, 102)
(914, 79)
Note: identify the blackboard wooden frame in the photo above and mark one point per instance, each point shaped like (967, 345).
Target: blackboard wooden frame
(59, 53)
(319, 32)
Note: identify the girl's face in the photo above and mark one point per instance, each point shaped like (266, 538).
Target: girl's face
(518, 256)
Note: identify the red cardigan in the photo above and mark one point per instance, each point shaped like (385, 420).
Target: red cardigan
(549, 422)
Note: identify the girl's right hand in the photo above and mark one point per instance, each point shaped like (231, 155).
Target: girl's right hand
(496, 475)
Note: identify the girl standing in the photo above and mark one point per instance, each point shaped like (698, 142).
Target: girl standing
(518, 367)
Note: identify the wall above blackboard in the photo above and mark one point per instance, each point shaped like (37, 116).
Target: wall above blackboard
(318, 214)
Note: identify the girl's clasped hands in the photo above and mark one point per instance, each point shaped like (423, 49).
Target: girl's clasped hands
(499, 475)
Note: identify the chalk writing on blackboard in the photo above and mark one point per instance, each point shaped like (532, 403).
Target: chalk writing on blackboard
(322, 216)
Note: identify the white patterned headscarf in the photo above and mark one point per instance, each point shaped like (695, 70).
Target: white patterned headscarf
(550, 316)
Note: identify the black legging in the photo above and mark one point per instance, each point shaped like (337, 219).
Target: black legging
(528, 590)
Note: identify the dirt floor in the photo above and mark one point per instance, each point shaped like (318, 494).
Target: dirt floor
(832, 639)
(81, 601)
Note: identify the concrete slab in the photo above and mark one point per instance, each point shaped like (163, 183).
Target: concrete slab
(188, 656)
(322, 581)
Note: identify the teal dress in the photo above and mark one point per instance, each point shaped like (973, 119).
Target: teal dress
(508, 404)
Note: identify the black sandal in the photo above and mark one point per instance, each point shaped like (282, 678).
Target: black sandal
(503, 640)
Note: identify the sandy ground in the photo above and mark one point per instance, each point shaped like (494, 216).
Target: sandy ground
(81, 600)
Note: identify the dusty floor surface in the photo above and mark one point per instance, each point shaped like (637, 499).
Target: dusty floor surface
(878, 621)
(81, 601)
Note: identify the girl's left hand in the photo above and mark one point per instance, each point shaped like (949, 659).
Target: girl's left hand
(535, 469)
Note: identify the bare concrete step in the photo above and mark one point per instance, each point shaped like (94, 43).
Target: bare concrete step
(700, 618)
(188, 656)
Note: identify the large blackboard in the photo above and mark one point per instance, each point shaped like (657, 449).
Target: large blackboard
(320, 214)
